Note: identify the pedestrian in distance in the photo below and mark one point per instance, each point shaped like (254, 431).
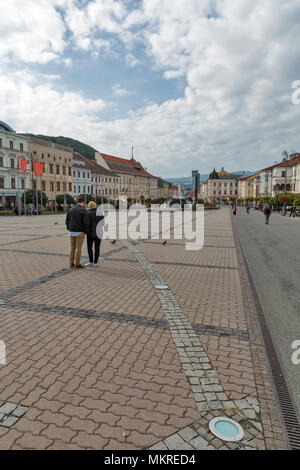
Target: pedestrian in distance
(234, 210)
(248, 209)
(267, 212)
(293, 211)
(77, 222)
(93, 239)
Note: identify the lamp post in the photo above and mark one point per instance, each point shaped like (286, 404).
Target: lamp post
(55, 208)
(65, 205)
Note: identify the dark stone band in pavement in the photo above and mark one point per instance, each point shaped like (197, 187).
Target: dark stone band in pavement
(120, 318)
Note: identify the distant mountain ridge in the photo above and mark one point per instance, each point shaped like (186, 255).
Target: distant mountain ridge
(85, 150)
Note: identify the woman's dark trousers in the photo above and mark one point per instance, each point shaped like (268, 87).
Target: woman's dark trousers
(90, 242)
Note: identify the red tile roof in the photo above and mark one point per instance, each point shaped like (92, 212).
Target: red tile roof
(285, 163)
(123, 165)
(91, 165)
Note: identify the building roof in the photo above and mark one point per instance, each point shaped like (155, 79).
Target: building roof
(123, 165)
(96, 168)
(32, 140)
(6, 128)
(221, 175)
(214, 175)
(293, 160)
(79, 161)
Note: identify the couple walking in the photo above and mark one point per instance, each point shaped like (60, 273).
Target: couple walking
(81, 223)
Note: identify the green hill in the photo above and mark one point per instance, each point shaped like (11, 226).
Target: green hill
(85, 150)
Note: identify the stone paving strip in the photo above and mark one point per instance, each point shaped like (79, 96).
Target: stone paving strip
(11, 413)
(208, 392)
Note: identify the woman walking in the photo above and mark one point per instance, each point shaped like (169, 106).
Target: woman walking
(92, 238)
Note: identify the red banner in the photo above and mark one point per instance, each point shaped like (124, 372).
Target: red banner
(38, 168)
(23, 165)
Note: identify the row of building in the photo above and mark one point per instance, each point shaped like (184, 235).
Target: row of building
(280, 178)
(31, 163)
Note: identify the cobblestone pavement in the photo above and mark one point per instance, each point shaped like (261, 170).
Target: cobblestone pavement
(101, 359)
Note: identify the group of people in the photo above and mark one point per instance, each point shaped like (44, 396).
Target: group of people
(80, 223)
(267, 211)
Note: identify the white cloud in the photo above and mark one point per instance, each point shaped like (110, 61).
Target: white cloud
(119, 91)
(31, 32)
(237, 58)
(42, 107)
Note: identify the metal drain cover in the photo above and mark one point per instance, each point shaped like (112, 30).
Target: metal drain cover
(161, 286)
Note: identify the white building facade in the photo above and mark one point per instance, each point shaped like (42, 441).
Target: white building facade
(14, 167)
(82, 175)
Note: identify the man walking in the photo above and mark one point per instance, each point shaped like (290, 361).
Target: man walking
(77, 222)
(293, 211)
(267, 212)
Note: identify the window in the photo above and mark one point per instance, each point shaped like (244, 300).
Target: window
(58, 186)
(1, 183)
(83, 189)
(283, 174)
(79, 189)
(33, 184)
(0, 142)
(23, 183)
(64, 170)
(12, 163)
(65, 187)
(70, 171)
(43, 186)
(75, 189)
(70, 187)
(13, 183)
(57, 169)
(21, 147)
(51, 186)
(50, 169)
(74, 174)
(78, 174)
(83, 175)
(1, 161)
(11, 144)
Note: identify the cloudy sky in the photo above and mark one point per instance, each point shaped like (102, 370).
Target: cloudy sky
(191, 84)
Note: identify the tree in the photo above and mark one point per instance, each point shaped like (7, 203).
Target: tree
(60, 199)
(30, 196)
(87, 197)
(297, 200)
